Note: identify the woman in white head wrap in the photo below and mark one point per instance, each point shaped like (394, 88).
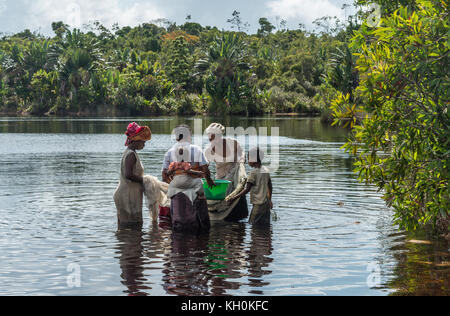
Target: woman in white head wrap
(229, 158)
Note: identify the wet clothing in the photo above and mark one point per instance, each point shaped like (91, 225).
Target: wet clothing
(189, 186)
(231, 171)
(128, 197)
(260, 214)
(259, 196)
(259, 177)
(238, 210)
(155, 192)
(188, 213)
(188, 217)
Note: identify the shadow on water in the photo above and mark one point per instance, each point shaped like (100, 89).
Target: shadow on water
(208, 264)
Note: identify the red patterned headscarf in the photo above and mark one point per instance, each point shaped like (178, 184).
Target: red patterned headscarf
(137, 133)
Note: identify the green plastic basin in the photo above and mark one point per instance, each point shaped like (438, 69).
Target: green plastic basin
(219, 192)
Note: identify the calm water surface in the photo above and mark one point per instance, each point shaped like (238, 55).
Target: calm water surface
(333, 235)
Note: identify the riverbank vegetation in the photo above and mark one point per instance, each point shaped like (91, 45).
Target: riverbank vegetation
(402, 141)
(164, 68)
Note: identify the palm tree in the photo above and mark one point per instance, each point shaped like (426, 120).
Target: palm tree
(5, 63)
(76, 57)
(35, 57)
(343, 74)
(75, 71)
(227, 54)
(22, 63)
(224, 65)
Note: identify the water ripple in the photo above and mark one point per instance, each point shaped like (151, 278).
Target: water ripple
(57, 210)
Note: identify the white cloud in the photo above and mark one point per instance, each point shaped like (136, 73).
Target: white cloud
(2, 6)
(305, 10)
(76, 13)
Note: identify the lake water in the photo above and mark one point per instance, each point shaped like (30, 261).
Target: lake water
(333, 235)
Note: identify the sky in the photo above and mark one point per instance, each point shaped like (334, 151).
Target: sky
(37, 15)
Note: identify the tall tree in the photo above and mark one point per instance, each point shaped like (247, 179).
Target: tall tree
(237, 22)
(225, 66)
(265, 27)
(178, 66)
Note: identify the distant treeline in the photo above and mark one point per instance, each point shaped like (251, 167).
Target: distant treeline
(175, 69)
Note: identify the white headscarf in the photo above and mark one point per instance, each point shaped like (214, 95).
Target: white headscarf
(215, 128)
(182, 134)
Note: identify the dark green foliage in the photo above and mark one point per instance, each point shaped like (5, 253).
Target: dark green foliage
(226, 68)
(343, 75)
(178, 66)
(266, 27)
(402, 143)
(151, 69)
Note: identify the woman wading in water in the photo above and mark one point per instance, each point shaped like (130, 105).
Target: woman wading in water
(229, 158)
(129, 195)
(184, 166)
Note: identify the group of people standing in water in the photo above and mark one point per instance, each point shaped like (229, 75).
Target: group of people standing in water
(181, 189)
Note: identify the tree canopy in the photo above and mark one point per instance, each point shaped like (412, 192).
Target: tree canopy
(398, 112)
(163, 68)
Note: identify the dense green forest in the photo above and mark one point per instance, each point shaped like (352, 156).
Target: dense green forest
(166, 68)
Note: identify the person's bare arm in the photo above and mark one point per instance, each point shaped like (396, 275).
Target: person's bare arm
(270, 188)
(130, 162)
(167, 176)
(236, 151)
(205, 170)
(195, 173)
(247, 189)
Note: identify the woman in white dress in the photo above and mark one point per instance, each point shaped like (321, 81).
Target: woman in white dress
(229, 158)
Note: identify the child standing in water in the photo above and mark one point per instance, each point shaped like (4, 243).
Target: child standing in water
(259, 184)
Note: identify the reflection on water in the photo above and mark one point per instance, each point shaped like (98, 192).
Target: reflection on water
(333, 235)
(130, 250)
(422, 268)
(301, 128)
(209, 264)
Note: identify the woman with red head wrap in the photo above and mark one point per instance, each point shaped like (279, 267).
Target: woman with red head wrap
(129, 195)
(136, 133)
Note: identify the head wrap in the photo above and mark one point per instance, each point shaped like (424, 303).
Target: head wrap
(216, 129)
(137, 133)
(183, 134)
